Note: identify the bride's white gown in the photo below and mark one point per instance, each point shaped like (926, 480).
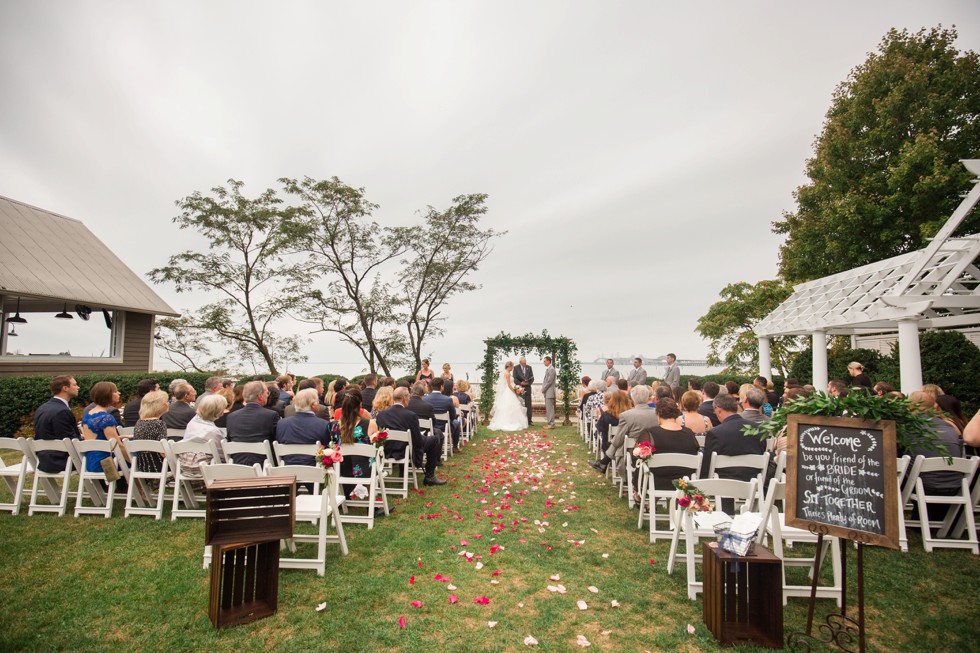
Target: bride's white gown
(508, 412)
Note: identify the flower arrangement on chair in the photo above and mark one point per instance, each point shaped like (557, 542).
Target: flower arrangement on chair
(327, 456)
(690, 498)
(643, 450)
(379, 439)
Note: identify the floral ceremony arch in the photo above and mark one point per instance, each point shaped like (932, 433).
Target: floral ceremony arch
(564, 356)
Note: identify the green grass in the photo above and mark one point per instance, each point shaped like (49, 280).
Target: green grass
(137, 584)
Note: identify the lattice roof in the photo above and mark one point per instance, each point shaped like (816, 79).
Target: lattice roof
(939, 285)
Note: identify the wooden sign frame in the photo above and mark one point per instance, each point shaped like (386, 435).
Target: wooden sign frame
(890, 537)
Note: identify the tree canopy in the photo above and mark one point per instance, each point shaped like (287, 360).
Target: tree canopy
(885, 174)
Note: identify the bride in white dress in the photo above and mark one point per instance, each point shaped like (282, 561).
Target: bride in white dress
(508, 413)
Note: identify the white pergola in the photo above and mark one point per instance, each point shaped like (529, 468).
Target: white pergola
(935, 287)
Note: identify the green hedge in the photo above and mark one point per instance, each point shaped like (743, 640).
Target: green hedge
(20, 395)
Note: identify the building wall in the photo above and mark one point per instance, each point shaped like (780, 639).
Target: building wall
(882, 342)
(137, 354)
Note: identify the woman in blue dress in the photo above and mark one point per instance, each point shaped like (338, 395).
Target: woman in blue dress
(99, 424)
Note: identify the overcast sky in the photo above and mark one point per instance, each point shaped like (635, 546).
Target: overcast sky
(636, 152)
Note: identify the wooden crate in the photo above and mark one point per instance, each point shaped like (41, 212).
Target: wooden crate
(743, 596)
(247, 510)
(245, 520)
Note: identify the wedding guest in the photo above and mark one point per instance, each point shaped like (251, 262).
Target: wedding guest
(690, 417)
(352, 428)
(285, 384)
(670, 436)
(204, 427)
(616, 405)
(131, 411)
(752, 405)
(791, 394)
(596, 401)
(181, 408)
(637, 375)
(707, 408)
(253, 423)
(369, 390)
(425, 374)
(386, 382)
(304, 427)
(383, 399)
(112, 408)
(932, 390)
(858, 377)
(53, 420)
(462, 393)
(274, 402)
(222, 419)
(837, 388)
(239, 401)
(678, 393)
(635, 423)
(582, 390)
(338, 401)
(662, 391)
(171, 389)
(426, 447)
(212, 385)
(881, 388)
(100, 425)
(443, 404)
(732, 388)
(936, 483)
(150, 426)
(953, 410)
(622, 385)
(727, 439)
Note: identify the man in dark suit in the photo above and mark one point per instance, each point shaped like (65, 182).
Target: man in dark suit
(707, 407)
(727, 439)
(55, 421)
(369, 391)
(422, 408)
(253, 422)
(524, 377)
(304, 427)
(323, 412)
(442, 404)
(131, 411)
(181, 412)
(398, 417)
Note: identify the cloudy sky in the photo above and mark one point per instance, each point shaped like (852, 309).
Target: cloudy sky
(635, 152)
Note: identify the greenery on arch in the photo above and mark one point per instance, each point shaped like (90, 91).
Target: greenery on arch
(564, 356)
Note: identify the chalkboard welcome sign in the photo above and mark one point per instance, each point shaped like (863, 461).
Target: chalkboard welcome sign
(841, 474)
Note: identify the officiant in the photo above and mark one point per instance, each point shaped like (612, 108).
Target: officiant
(524, 377)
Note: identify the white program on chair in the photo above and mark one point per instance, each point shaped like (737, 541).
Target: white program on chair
(14, 475)
(90, 483)
(320, 508)
(372, 483)
(140, 484)
(962, 500)
(398, 485)
(649, 495)
(56, 493)
(776, 528)
(695, 527)
(755, 461)
(185, 487)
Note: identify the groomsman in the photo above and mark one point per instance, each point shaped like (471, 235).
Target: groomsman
(610, 371)
(672, 375)
(548, 390)
(638, 375)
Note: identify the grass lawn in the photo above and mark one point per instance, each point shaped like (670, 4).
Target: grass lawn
(525, 507)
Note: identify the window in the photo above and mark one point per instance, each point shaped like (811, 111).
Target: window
(46, 337)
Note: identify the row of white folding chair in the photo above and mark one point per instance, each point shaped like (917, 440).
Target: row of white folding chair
(15, 474)
(962, 502)
(760, 462)
(398, 484)
(652, 497)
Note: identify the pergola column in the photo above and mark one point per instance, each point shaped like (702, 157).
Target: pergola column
(820, 360)
(909, 356)
(765, 361)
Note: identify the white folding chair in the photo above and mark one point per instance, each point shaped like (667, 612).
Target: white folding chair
(90, 483)
(626, 474)
(216, 471)
(760, 462)
(126, 431)
(447, 440)
(372, 482)
(185, 487)
(175, 434)
(960, 527)
(700, 439)
(902, 466)
(398, 485)
(774, 525)
(232, 449)
(14, 474)
(967, 467)
(139, 481)
(319, 508)
(702, 525)
(654, 497)
(465, 422)
(57, 494)
(293, 450)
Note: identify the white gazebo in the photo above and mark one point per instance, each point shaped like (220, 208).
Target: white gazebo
(935, 287)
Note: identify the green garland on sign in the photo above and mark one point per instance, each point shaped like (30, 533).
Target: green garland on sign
(564, 356)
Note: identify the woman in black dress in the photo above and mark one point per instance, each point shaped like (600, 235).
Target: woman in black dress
(858, 377)
(670, 437)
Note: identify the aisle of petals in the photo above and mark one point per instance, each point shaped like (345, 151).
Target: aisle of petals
(500, 489)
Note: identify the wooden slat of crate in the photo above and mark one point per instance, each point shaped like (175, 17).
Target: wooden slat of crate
(743, 597)
(244, 583)
(250, 510)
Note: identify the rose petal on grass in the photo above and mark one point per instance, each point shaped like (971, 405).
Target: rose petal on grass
(401, 622)
(614, 603)
(321, 607)
(690, 629)
(606, 633)
(530, 641)
(582, 605)
(582, 641)
(496, 573)
(451, 587)
(520, 605)
(482, 600)
(411, 580)
(491, 624)
(605, 555)
(555, 577)
(593, 589)
(479, 566)
(561, 589)
(416, 604)
(652, 561)
(453, 599)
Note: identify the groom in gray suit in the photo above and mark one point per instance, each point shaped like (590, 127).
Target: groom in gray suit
(548, 390)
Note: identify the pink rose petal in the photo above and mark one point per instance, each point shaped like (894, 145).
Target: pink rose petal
(401, 622)
(411, 581)
(453, 599)
(582, 641)
(530, 641)
(416, 604)
(482, 600)
(690, 629)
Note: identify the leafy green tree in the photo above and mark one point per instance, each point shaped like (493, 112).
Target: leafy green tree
(449, 246)
(244, 265)
(729, 327)
(885, 174)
